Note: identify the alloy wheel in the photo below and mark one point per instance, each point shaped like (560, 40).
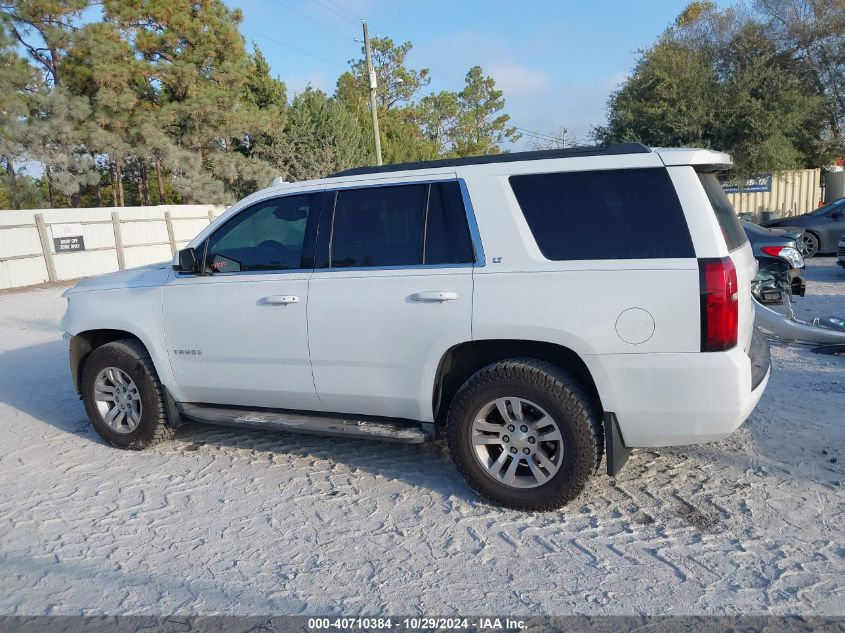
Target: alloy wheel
(809, 245)
(117, 400)
(516, 442)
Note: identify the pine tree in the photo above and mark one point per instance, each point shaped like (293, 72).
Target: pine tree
(199, 65)
(43, 29)
(437, 116)
(481, 125)
(55, 136)
(321, 137)
(17, 78)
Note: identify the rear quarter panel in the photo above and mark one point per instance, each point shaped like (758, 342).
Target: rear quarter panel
(578, 304)
(521, 294)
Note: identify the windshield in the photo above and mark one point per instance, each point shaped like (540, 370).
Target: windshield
(830, 206)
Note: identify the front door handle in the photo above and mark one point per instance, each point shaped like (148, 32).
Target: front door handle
(279, 300)
(434, 296)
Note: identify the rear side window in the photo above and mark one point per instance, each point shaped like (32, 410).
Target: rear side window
(607, 214)
(400, 225)
(725, 214)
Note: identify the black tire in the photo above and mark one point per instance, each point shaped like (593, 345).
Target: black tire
(809, 245)
(130, 356)
(575, 413)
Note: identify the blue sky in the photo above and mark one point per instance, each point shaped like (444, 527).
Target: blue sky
(556, 61)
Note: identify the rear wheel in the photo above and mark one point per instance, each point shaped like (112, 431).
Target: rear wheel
(123, 396)
(809, 245)
(525, 434)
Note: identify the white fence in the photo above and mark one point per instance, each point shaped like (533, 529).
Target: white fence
(42, 245)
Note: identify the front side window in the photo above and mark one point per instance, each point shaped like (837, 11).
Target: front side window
(267, 236)
(400, 225)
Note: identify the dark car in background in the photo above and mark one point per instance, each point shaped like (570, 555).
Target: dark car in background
(840, 252)
(776, 250)
(823, 227)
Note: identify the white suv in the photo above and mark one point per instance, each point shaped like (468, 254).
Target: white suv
(538, 310)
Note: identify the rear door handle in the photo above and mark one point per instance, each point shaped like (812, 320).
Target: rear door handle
(434, 296)
(279, 300)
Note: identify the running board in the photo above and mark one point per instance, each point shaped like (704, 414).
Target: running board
(406, 432)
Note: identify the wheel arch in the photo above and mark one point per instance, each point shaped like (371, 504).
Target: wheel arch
(461, 361)
(83, 343)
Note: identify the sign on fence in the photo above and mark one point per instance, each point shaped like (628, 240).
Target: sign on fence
(755, 184)
(67, 238)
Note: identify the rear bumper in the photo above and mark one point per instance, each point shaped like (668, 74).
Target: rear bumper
(687, 398)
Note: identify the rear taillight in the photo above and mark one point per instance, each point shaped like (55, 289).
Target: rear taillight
(792, 255)
(719, 304)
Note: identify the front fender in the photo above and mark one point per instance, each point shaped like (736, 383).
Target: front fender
(136, 311)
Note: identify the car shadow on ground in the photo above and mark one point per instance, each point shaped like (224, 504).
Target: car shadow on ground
(36, 381)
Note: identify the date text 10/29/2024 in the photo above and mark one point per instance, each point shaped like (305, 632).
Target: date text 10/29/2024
(417, 623)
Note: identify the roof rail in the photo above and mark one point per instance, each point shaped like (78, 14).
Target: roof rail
(569, 152)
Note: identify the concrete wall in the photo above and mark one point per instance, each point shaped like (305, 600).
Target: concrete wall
(147, 235)
(793, 193)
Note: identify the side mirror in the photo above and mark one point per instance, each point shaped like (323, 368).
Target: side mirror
(836, 214)
(186, 261)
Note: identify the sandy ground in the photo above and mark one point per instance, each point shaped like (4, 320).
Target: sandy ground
(251, 522)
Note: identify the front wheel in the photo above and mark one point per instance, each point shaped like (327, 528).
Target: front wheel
(123, 396)
(525, 434)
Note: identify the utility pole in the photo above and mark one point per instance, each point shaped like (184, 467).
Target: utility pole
(372, 77)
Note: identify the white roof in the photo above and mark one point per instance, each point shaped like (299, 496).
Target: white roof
(670, 156)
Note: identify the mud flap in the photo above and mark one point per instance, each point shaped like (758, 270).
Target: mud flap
(615, 451)
(174, 416)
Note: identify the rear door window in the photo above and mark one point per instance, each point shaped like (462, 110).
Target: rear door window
(606, 214)
(400, 225)
(378, 226)
(729, 221)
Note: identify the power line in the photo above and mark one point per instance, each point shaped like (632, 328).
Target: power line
(313, 19)
(531, 133)
(340, 7)
(293, 48)
(337, 9)
(536, 134)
